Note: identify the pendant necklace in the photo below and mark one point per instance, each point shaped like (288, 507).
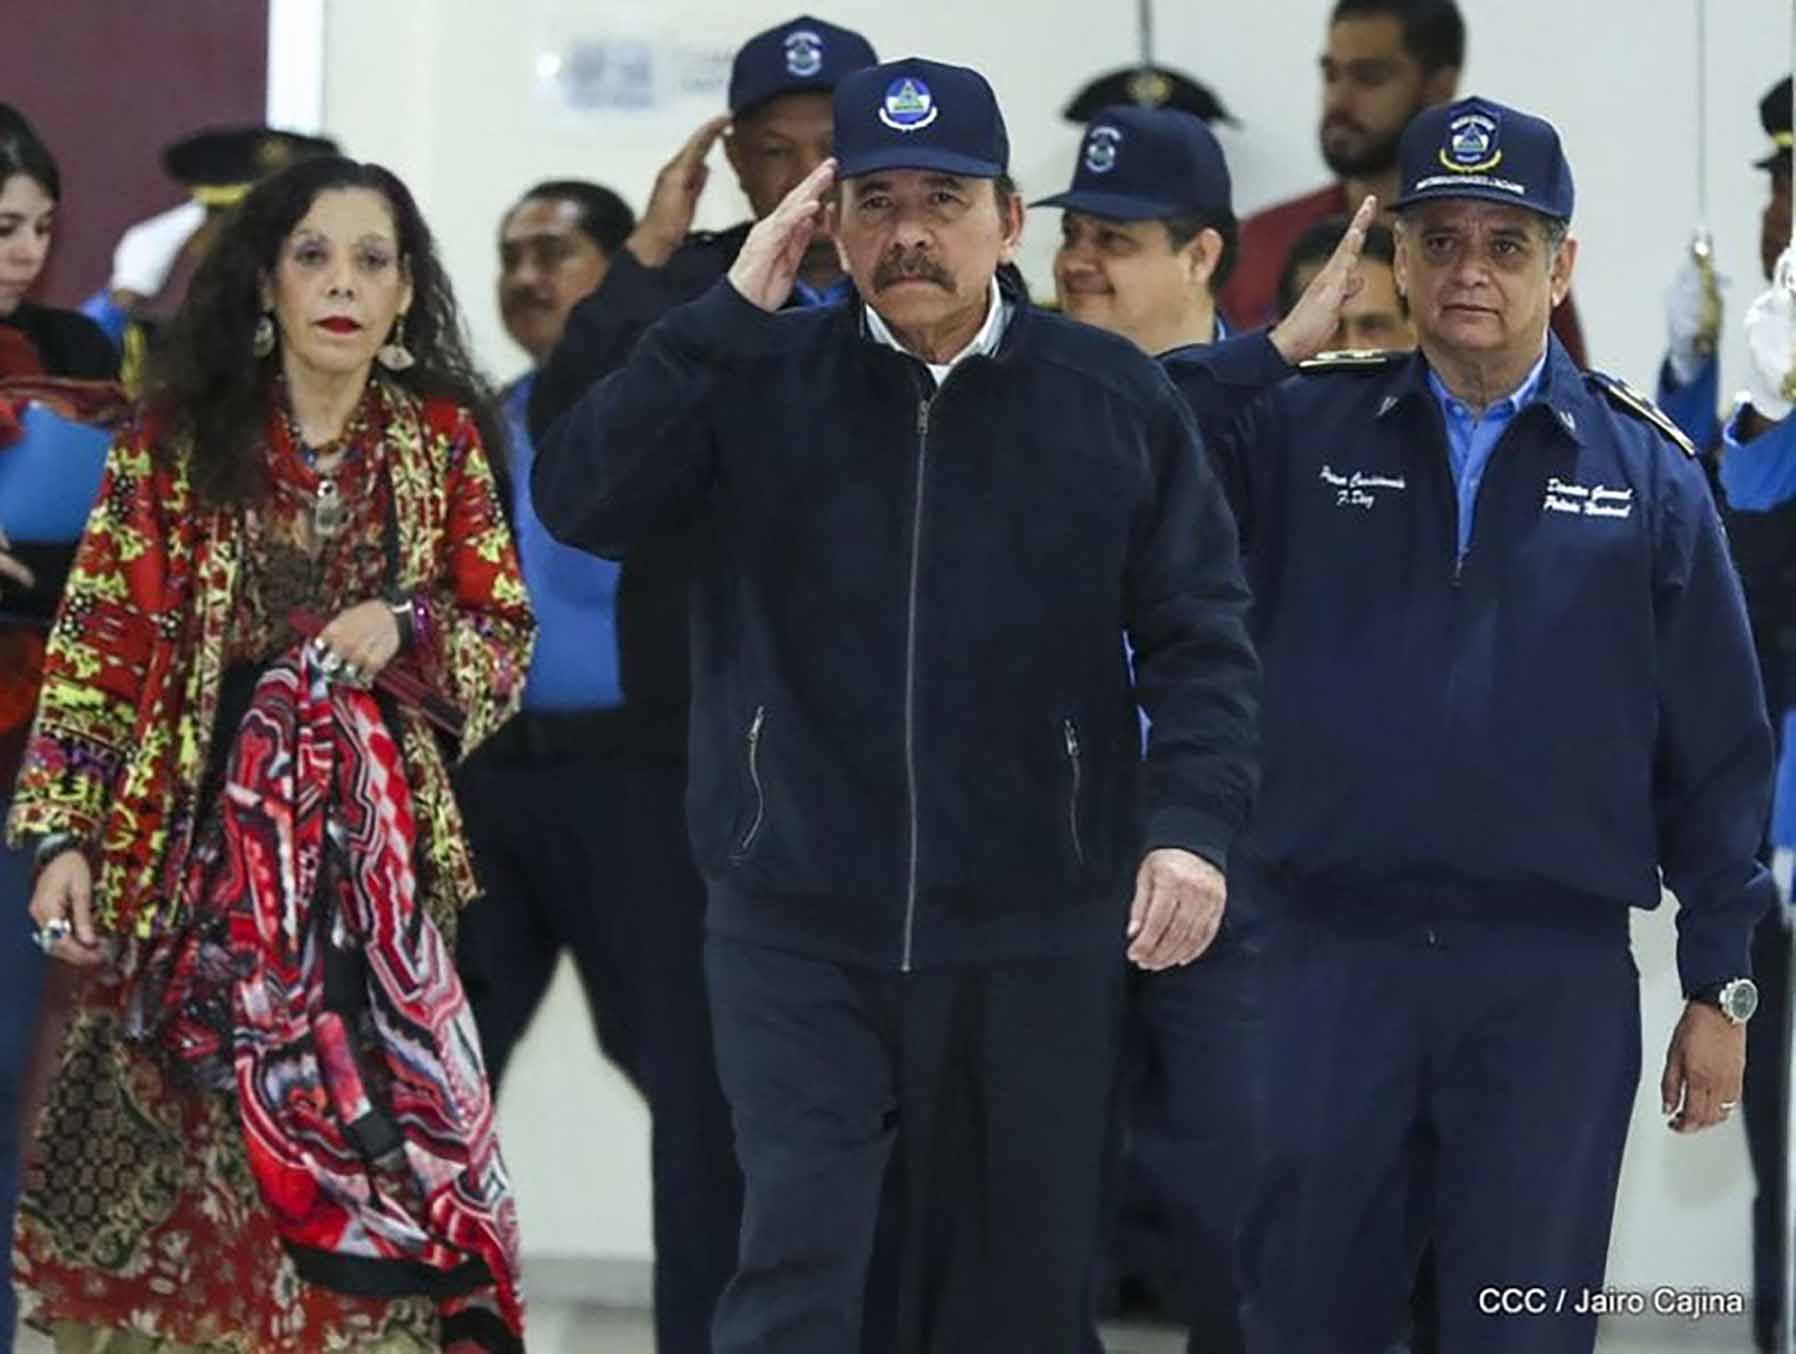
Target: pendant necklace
(330, 511)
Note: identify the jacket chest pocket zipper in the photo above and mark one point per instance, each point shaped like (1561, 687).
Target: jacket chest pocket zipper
(754, 778)
(1071, 731)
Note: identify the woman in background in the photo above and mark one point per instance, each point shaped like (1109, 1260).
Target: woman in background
(270, 1129)
(49, 471)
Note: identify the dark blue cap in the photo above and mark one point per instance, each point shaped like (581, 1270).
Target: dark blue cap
(1145, 164)
(1477, 148)
(802, 55)
(917, 114)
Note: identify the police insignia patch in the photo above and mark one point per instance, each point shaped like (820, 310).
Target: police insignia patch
(804, 53)
(908, 106)
(1100, 149)
(1471, 144)
(1624, 396)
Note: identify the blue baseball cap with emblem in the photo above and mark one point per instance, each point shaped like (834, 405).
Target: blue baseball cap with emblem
(1146, 164)
(917, 114)
(1479, 148)
(802, 55)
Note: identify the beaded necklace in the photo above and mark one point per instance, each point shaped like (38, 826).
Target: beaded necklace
(330, 512)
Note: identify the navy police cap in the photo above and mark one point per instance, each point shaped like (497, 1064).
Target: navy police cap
(1143, 164)
(1774, 116)
(1480, 149)
(802, 55)
(917, 114)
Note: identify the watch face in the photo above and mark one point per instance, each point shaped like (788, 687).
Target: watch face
(1739, 999)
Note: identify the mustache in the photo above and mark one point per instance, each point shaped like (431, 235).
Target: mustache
(914, 265)
(518, 300)
(1341, 121)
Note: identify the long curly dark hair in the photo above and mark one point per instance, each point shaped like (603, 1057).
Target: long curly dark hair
(204, 378)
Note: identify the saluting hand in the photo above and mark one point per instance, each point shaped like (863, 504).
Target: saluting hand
(673, 203)
(771, 256)
(1313, 320)
(1704, 1069)
(1179, 900)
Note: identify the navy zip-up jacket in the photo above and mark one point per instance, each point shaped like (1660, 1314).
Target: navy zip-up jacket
(914, 738)
(1538, 728)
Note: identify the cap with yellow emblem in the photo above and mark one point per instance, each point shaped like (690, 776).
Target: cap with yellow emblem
(221, 164)
(1478, 148)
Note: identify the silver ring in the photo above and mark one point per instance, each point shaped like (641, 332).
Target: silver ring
(351, 674)
(46, 936)
(1727, 1106)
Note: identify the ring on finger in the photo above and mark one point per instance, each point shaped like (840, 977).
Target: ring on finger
(46, 936)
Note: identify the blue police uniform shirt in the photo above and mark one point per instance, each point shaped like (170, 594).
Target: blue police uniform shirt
(1692, 407)
(1472, 436)
(573, 593)
(1759, 475)
(841, 290)
(1567, 717)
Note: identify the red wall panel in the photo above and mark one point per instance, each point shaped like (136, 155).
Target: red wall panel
(109, 83)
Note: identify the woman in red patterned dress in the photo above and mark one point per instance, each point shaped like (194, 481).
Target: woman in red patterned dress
(269, 1129)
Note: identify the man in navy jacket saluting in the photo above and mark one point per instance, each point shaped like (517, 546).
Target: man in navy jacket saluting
(925, 519)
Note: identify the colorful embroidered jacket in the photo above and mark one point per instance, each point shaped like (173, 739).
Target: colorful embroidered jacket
(136, 657)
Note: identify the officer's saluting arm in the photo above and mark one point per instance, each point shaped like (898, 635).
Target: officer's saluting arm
(1195, 669)
(647, 277)
(1715, 750)
(633, 459)
(1221, 382)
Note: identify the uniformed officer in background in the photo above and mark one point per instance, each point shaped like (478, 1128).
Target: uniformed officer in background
(1753, 453)
(155, 257)
(1508, 681)
(779, 128)
(1147, 238)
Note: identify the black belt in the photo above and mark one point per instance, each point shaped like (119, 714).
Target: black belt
(535, 738)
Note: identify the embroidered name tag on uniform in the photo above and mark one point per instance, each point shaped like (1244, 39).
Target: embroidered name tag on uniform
(1587, 500)
(1358, 489)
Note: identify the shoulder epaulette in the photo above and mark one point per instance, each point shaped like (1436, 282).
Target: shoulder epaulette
(1624, 396)
(1351, 359)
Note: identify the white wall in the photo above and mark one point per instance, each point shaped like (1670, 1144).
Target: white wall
(446, 93)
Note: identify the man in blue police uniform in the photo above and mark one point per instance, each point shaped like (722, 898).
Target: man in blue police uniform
(1508, 681)
(574, 811)
(927, 523)
(1147, 238)
(777, 131)
(1754, 455)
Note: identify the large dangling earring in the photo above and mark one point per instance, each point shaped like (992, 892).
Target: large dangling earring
(393, 354)
(263, 342)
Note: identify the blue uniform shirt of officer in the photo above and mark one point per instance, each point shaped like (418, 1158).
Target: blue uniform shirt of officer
(1526, 621)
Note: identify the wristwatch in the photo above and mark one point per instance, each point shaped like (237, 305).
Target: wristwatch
(1737, 998)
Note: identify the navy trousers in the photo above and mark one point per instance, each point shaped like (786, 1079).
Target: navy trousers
(990, 1083)
(589, 854)
(1191, 1121)
(21, 978)
(1450, 1081)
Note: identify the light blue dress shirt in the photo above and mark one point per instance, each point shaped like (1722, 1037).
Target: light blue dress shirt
(1472, 436)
